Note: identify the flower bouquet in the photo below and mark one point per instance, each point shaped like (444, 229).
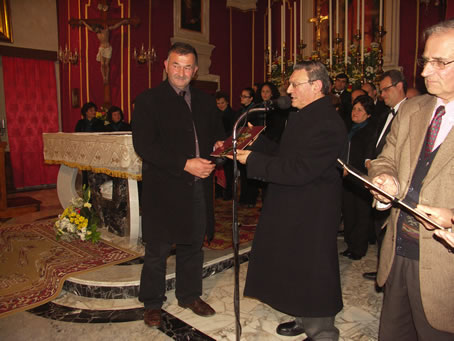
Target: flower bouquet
(78, 220)
(101, 114)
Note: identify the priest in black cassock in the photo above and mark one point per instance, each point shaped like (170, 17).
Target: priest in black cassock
(294, 264)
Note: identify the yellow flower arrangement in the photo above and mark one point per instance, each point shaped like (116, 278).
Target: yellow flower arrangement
(78, 220)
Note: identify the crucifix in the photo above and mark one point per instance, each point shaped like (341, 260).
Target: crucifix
(101, 27)
(318, 20)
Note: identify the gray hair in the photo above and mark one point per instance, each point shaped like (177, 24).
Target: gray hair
(441, 27)
(315, 71)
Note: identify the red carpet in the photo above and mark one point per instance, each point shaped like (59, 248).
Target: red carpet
(247, 219)
(33, 265)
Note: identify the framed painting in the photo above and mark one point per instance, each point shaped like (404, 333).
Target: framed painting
(192, 19)
(191, 15)
(6, 33)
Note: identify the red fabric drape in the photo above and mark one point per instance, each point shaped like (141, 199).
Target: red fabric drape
(31, 110)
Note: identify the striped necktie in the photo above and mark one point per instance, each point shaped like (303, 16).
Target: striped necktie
(433, 130)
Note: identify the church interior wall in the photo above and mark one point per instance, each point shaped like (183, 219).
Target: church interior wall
(238, 37)
(34, 24)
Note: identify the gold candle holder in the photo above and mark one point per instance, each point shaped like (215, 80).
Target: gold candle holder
(380, 35)
(337, 52)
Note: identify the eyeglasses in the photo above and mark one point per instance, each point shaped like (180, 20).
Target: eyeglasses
(386, 88)
(293, 84)
(435, 63)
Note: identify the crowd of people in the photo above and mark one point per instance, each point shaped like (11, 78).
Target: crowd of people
(397, 136)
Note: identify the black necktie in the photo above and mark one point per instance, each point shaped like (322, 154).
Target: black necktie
(182, 93)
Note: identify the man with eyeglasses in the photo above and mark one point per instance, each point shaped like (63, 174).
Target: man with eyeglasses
(294, 264)
(393, 87)
(416, 165)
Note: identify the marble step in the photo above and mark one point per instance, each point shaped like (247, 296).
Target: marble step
(70, 300)
(122, 281)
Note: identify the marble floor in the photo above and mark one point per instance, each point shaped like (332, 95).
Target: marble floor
(94, 316)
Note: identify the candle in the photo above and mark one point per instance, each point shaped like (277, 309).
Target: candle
(301, 19)
(346, 33)
(283, 19)
(294, 34)
(330, 33)
(362, 32)
(282, 38)
(357, 14)
(337, 17)
(380, 20)
(269, 37)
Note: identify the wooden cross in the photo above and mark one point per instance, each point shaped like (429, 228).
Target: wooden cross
(318, 22)
(101, 27)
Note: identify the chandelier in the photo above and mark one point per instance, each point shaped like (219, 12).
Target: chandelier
(66, 56)
(142, 56)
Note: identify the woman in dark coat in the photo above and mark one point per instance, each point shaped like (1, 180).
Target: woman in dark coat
(357, 201)
(89, 123)
(115, 118)
(275, 119)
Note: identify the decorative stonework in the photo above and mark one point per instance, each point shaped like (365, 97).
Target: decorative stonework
(197, 38)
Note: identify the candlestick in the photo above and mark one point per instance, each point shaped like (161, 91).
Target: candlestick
(362, 31)
(380, 19)
(282, 38)
(283, 19)
(357, 13)
(294, 34)
(301, 19)
(346, 34)
(269, 37)
(330, 15)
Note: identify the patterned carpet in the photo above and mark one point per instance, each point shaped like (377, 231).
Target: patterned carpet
(247, 220)
(33, 265)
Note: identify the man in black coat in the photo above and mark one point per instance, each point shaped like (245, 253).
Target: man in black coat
(393, 88)
(340, 90)
(294, 261)
(174, 129)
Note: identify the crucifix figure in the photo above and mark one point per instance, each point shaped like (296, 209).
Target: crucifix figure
(101, 27)
(318, 22)
(105, 49)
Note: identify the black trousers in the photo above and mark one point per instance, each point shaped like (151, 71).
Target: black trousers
(356, 210)
(189, 261)
(249, 188)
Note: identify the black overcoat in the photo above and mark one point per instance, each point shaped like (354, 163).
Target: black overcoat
(294, 262)
(163, 137)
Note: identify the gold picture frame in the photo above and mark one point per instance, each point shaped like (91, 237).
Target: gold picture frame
(6, 32)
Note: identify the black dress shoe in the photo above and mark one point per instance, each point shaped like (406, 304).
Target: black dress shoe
(289, 329)
(372, 276)
(346, 253)
(354, 256)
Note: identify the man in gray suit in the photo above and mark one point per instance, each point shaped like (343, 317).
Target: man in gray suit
(416, 165)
